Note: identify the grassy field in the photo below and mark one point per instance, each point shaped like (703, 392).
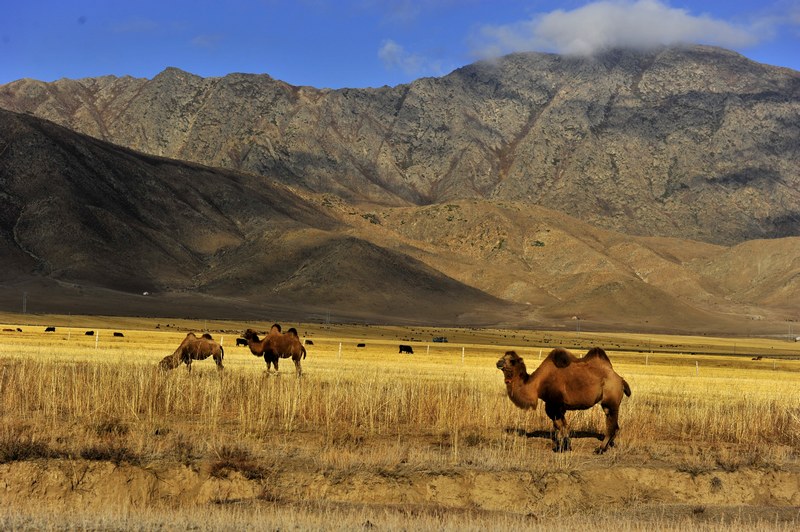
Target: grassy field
(92, 434)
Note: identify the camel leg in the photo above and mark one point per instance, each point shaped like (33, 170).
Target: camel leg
(298, 368)
(612, 426)
(560, 430)
(562, 433)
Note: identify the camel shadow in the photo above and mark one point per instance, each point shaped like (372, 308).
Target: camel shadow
(549, 434)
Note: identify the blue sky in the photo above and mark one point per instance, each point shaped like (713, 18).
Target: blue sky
(363, 43)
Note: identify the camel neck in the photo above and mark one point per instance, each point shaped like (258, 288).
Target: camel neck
(522, 373)
(522, 389)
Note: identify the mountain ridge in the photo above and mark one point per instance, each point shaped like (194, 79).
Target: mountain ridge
(475, 198)
(647, 143)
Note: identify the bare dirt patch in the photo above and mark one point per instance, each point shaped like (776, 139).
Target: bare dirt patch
(638, 493)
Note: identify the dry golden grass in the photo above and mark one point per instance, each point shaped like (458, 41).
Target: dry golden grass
(371, 436)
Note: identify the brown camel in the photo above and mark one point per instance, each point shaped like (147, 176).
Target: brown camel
(277, 345)
(565, 382)
(194, 348)
(260, 347)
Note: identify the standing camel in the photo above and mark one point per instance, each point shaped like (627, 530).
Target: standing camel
(194, 348)
(277, 345)
(261, 348)
(565, 382)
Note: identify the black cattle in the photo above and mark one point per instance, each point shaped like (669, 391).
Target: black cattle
(361, 345)
(19, 330)
(50, 329)
(89, 333)
(119, 335)
(406, 349)
(309, 342)
(241, 341)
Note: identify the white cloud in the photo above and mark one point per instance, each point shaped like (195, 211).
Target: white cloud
(395, 57)
(609, 24)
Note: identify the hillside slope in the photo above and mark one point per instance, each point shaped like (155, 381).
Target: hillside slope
(84, 215)
(88, 227)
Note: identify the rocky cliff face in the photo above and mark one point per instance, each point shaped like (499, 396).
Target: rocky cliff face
(695, 143)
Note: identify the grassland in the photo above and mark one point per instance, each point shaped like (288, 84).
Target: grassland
(94, 436)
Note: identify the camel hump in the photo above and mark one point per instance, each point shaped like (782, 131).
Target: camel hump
(275, 327)
(207, 336)
(597, 352)
(561, 357)
(293, 331)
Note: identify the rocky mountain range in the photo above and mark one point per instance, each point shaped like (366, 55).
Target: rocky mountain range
(630, 190)
(696, 143)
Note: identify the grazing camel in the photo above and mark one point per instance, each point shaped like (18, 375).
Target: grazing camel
(565, 382)
(194, 348)
(277, 345)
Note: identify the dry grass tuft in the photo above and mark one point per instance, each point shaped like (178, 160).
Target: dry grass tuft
(231, 458)
(115, 453)
(18, 442)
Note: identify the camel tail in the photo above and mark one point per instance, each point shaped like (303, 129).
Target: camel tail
(626, 387)
(304, 351)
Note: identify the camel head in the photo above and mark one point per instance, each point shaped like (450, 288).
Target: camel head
(250, 334)
(169, 362)
(511, 364)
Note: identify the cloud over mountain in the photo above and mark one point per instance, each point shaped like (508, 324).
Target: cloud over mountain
(395, 57)
(603, 25)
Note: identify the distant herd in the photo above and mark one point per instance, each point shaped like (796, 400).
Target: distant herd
(562, 381)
